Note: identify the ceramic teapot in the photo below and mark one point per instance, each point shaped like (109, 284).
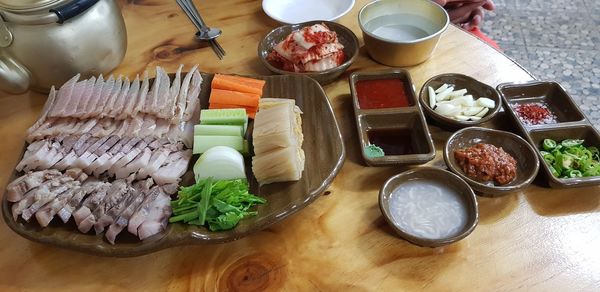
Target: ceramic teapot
(46, 42)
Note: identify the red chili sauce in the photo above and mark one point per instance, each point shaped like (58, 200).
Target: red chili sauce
(382, 93)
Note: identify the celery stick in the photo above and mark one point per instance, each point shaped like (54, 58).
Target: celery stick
(235, 116)
(218, 130)
(203, 143)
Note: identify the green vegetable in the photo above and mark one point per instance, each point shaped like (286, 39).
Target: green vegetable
(203, 143)
(571, 142)
(220, 204)
(219, 130)
(570, 158)
(549, 144)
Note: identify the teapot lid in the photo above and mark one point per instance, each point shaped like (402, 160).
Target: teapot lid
(20, 6)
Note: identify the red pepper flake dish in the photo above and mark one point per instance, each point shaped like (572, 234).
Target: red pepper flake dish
(311, 49)
(535, 114)
(486, 162)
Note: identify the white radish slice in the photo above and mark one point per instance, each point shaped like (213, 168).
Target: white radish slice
(444, 95)
(486, 102)
(220, 163)
(457, 93)
(441, 88)
(472, 110)
(466, 100)
(431, 97)
(462, 118)
(447, 110)
(483, 112)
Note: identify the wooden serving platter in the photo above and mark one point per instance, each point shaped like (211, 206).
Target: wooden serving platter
(325, 155)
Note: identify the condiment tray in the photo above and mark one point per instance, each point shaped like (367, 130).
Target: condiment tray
(325, 155)
(571, 122)
(402, 129)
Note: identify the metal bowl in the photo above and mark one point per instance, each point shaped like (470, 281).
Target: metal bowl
(402, 32)
(460, 81)
(345, 36)
(449, 180)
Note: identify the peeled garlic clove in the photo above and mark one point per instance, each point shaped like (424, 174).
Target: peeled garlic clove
(441, 88)
(444, 94)
(472, 110)
(483, 112)
(457, 93)
(486, 102)
(432, 97)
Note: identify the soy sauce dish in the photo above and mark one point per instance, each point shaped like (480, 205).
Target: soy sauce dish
(429, 206)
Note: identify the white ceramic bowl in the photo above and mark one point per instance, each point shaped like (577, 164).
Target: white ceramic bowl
(297, 11)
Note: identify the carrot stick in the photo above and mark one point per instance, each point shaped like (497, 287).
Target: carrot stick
(233, 97)
(236, 83)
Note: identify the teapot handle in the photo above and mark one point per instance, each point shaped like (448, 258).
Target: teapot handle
(72, 9)
(14, 78)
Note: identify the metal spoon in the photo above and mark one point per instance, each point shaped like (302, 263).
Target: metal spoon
(208, 33)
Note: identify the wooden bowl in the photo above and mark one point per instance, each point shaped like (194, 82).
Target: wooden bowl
(460, 81)
(345, 36)
(517, 147)
(446, 178)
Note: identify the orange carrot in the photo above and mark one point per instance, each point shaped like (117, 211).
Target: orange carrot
(236, 83)
(233, 97)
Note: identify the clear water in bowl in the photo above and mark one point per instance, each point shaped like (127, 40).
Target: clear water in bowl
(400, 27)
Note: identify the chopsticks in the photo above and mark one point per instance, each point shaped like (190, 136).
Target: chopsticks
(192, 13)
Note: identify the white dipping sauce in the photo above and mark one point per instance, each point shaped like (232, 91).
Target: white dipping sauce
(400, 27)
(428, 209)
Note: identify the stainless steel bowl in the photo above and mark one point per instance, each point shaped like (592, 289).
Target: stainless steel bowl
(402, 32)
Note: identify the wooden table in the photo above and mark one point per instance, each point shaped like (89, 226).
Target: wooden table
(539, 239)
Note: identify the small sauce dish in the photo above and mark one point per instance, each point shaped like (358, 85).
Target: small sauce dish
(429, 206)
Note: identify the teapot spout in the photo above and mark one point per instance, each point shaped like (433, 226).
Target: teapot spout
(13, 77)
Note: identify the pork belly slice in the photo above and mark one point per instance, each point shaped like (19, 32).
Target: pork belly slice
(96, 192)
(35, 151)
(103, 162)
(45, 111)
(158, 217)
(141, 214)
(68, 142)
(17, 188)
(148, 126)
(158, 93)
(135, 165)
(89, 106)
(88, 187)
(53, 157)
(109, 109)
(183, 96)
(167, 103)
(157, 159)
(78, 102)
(127, 157)
(88, 156)
(123, 109)
(193, 102)
(111, 215)
(63, 97)
(42, 191)
(143, 188)
(142, 95)
(176, 166)
(77, 174)
(92, 91)
(47, 212)
(98, 102)
(115, 194)
(161, 102)
(69, 159)
(105, 127)
(42, 198)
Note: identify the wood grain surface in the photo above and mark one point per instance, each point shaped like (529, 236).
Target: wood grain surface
(539, 239)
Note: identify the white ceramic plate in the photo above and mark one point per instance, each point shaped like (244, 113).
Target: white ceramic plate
(297, 11)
